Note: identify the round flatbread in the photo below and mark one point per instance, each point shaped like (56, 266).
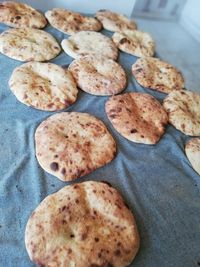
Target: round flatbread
(71, 22)
(157, 75)
(136, 43)
(19, 15)
(87, 43)
(138, 117)
(44, 86)
(192, 150)
(183, 108)
(72, 144)
(98, 75)
(28, 44)
(83, 225)
(115, 22)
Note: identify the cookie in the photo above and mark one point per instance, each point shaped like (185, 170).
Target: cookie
(28, 44)
(44, 86)
(84, 225)
(98, 75)
(19, 15)
(138, 117)
(87, 42)
(115, 22)
(183, 108)
(71, 22)
(157, 75)
(72, 144)
(192, 150)
(136, 43)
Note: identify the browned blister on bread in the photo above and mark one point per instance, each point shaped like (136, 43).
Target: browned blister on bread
(82, 225)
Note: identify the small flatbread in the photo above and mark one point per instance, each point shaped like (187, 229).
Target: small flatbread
(98, 75)
(87, 43)
(28, 44)
(136, 43)
(19, 15)
(71, 22)
(192, 150)
(115, 22)
(44, 86)
(157, 75)
(183, 108)
(83, 225)
(138, 117)
(72, 144)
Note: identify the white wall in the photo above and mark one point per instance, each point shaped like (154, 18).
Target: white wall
(190, 18)
(85, 6)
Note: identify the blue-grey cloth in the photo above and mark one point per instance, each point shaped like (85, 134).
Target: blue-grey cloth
(157, 181)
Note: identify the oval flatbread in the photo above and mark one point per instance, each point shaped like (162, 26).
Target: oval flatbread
(87, 43)
(183, 108)
(19, 15)
(28, 44)
(115, 22)
(157, 75)
(98, 75)
(136, 43)
(44, 86)
(83, 225)
(192, 150)
(71, 22)
(72, 144)
(138, 117)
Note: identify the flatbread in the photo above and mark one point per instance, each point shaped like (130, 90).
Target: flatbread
(136, 43)
(115, 22)
(98, 75)
(71, 22)
(183, 108)
(82, 225)
(28, 44)
(44, 86)
(19, 15)
(192, 150)
(157, 75)
(72, 144)
(87, 43)
(138, 117)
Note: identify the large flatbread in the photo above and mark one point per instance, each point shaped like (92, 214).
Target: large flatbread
(82, 225)
(72, 144)
(115, 22)
(138, 117)
(157, 75)
(98, 75)
(183, 108)
(26, 44)
(136, 43)
(71, 22)
(87, 42)
(44, 86)
(192, 150)
(19, 15)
